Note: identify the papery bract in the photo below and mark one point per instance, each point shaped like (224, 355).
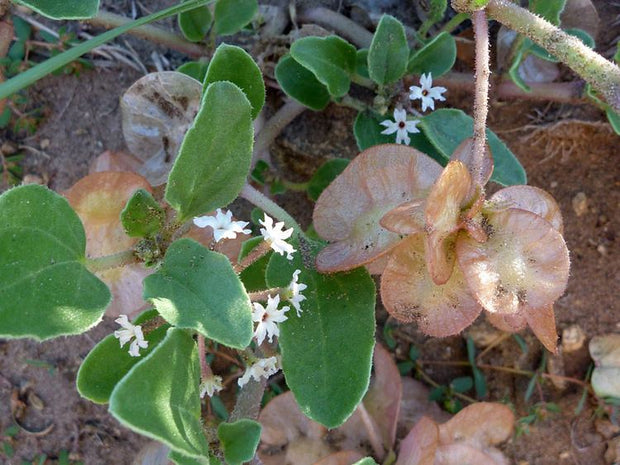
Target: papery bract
(348, 212)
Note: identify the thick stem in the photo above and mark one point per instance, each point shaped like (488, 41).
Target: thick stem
(151, 33)
(340, 24)
(603, 75)
(107, 262)
(274, 126)
(270, 207)
(481, 94)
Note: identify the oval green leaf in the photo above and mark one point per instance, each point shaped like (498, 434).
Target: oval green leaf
(214, 159)
(45, 289)
(361, 63)
(198, 289)
(388, 53)
(159, 396)
(194, 69)
(239, 440)
(326, 173)
(142, 216)
(233, 64)
(436, 57)
(331, 59)
(195, 24)
(66, 9)
(301, 84)
(327, 352)
(232, 15)
(447, 128)
(107, 363)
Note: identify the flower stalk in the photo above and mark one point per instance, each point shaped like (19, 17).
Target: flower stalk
(481, 94)
(107, 262)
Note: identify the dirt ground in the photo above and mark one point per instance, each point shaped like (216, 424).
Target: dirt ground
(568, 150)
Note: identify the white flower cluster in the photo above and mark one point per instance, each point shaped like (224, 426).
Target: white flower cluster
(210, 386)
(128, 332)
(263, 368)
(223, 225)
(427, 93)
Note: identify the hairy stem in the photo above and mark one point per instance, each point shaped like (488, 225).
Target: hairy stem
(603, 75)
(256, 253)
(340, 24)
(481, 93)
(205, 369)
(151, 33)
(107, 262)
(270, 207)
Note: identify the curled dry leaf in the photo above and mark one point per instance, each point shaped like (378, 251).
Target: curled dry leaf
(605, 351)
(409, 293)
(349, 210)
(98, 200)
(420, 446)
(408, 218)
(542, 322)
(459, 454)
(157, 111)
(523, 265)
(531, 199)
(465, 153)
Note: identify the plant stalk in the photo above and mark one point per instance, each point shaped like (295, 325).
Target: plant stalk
(340, 24)
(603, 75)
(108, 262)
(151, 33)
(481, 93)
(274, 126)
(270, 207)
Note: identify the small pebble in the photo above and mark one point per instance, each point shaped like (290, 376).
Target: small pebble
(565, 455)
(602, 250)
(45, 143)
(573, 338)
(553, 184)
(580, 203)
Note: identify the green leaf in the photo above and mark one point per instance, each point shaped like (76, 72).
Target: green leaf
(447, 128)
(142, 216)
(436, 57)
(462, 384)
(331, 59)
(301, 84)
(195, 24)
(214, 159)
(65, 9)
(159, 396)
(239, 440)
(361, 63)
(513, 71)
(366, 461)
(194, 69)
(614, 120)
(367, 131)
(253, 277)
(232, 15)
(198, 289)
(326, 173)
(388, 53)
(327, 352)
(46, 291)
(232, 63)
(548, 9)
(107, 362)
(180, 459)
(22, 28)
(436, 10)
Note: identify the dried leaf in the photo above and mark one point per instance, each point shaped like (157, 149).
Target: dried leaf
(507, 322)
(465, 154)
(383, 399)
(581, 14)
(409, 293)
(531, 199)
(479, 425)
(459, 454)
(157, 111)
(535, 69)
(98, 199)
(523, 264)
(349, 210)
(114, 161)
(346, 457)
(407, 218)
(420, 445)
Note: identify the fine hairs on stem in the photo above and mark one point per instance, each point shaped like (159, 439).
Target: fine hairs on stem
(481, 93)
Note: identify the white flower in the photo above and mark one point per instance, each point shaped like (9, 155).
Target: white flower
(400, 126)
(223, 225)
(276, 237)
(268, 319)
(265, 367)
(210, 386)
(130, 331)
(294, 292)
(427, 92)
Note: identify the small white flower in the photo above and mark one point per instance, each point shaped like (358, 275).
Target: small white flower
(223, 225)
(268, 319)
(128, 332)
(276, 237)
(265, 367)
(210, 386)
(294, 290)
(400, 126)
(427, 92)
